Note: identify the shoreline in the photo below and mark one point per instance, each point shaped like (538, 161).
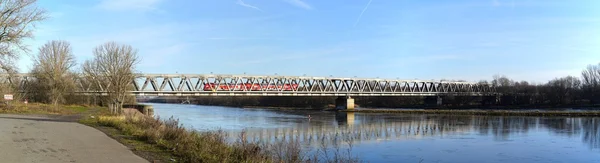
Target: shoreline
(582, 113)
(571, 111)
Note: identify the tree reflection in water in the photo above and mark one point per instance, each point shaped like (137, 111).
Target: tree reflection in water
(357, 127)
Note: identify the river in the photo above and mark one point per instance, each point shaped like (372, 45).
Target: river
(409, 138)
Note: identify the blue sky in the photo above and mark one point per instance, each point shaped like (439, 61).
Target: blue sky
(532, 40)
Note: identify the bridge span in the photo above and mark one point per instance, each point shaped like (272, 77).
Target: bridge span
(252, 85)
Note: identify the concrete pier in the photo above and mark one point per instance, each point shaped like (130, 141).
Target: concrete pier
(147, 110)
(344, 103)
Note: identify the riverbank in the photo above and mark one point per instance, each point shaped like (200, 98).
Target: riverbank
(570, 113)
(42, 109)
(157, 140)
(173, 142)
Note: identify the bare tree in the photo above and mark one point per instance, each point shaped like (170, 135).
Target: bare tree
(17, 17)
(502, 84)
(113, 68)
(52, 70)
(591, 75)
(563, 90)
(591, 83)
(17, 21)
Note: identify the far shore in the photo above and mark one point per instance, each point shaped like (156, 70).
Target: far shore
(572, 111)
(527, 112)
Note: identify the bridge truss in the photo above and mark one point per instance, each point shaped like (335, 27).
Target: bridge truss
(246, 85)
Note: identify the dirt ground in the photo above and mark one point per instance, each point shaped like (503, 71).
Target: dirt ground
(50, 139)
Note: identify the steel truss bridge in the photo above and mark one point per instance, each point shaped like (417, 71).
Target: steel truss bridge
(247, 85)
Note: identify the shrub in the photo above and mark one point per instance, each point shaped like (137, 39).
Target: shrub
(211, 146)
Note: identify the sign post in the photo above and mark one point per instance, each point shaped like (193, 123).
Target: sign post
(7, 98)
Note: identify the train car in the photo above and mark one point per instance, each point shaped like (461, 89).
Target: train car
(249, 87)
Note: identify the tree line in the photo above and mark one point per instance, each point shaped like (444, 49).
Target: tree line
(562, 91)
(54, 73)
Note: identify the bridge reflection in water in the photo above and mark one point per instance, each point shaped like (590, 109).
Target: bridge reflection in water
(350, 128)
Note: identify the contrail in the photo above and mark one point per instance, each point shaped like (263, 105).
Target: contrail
(361, 13)
(242, 3)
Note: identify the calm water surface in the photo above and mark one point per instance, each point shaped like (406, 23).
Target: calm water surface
(409, 138)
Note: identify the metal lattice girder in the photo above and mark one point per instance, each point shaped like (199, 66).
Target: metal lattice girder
(246, 85)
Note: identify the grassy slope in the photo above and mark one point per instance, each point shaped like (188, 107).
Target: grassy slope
(168, 141)
(37, 108)
(148, 151)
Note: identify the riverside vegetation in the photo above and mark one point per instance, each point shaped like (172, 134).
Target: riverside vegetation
(42, 109)
(166, 140)
(172, 142)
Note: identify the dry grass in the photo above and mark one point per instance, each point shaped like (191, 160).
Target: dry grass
(39, 108)
(193, 146)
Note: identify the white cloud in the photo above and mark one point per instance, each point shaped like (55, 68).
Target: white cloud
(300, 3)
(495, 3)
(120, 5)
(242, 3)
(157, 58)
(247, 38)
(442, 57)
(280, 56)
(158, 45)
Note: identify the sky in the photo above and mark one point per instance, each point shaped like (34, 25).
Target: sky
(530, 40)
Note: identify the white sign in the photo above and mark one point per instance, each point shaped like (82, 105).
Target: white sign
(8, 97)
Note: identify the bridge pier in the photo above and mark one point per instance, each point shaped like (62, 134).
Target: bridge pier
(433, 101)
(344, 103)
(147, 110)
(345, 118)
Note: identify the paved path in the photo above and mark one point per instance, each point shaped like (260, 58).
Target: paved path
(35, 139)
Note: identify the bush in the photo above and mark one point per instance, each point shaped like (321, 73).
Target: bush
(194, 146)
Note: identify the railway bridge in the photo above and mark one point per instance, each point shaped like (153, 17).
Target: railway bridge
(252, 85)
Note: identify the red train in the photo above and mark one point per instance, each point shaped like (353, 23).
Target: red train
(249, 87)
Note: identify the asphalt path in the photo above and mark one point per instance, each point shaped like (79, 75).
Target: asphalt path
(42, 139)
